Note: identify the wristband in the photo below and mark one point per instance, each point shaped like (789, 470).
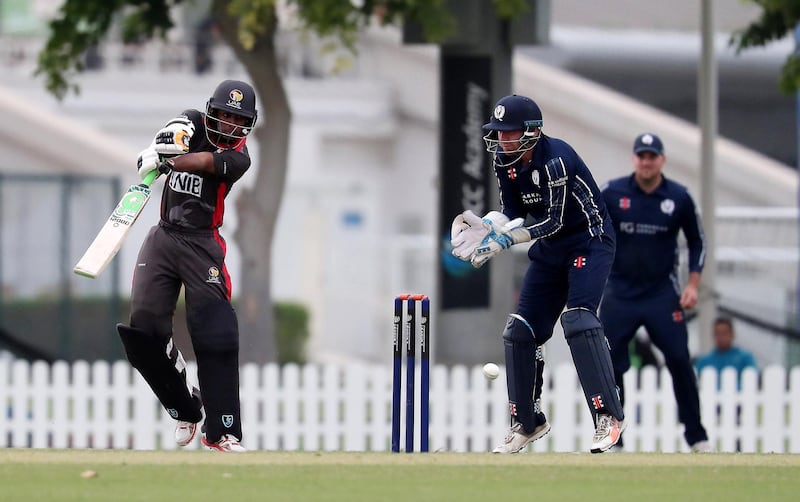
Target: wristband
(166, 167)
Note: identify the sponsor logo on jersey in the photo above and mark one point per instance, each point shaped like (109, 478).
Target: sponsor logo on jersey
(667, 206)
(531, 197)
(213, 275)
(187, 183)
(624, 203)
(627, 227)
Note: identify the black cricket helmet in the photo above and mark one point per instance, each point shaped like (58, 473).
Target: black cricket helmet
(514, 113)
(235, 97)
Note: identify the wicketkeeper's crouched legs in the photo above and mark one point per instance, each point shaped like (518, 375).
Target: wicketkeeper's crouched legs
(215, 338)
(592, 359)
(524, 368)
(163, 368)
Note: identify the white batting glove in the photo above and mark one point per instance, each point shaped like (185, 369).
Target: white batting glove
(173, 139)
(148, 161)
(495, 243)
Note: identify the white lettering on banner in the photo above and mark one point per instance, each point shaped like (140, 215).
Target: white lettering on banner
(186, 183)
(473, 195)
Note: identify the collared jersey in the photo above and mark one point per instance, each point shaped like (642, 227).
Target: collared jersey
(647, 227)
(196, 200)
(556, 189)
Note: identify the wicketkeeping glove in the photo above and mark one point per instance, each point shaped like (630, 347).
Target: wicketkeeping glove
(494, 243)
(173, 139)
(148, 161)
(468, 231)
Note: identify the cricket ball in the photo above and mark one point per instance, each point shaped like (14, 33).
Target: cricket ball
(491, 371)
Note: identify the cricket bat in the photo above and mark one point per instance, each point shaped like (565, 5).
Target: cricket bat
(110, 238)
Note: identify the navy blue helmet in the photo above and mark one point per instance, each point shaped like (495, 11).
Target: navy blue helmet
(514, 113)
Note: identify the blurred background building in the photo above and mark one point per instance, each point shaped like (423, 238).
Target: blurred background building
(358, 219)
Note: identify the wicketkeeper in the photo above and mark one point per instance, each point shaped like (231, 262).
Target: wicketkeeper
(542, 178)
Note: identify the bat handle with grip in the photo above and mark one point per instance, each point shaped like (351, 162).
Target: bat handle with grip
(150, 178)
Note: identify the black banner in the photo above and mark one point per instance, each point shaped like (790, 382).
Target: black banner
(465, 175)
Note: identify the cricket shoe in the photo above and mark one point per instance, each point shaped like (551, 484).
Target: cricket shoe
(516, 439)
(608, 432)
(185, 432)
(702, 447)
(227, 442)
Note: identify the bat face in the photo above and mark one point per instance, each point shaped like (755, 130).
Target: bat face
(130, 206)
(110, 238)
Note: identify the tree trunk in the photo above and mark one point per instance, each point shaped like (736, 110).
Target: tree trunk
(257, 207)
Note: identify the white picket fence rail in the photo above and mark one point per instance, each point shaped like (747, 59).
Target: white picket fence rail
(324, 408)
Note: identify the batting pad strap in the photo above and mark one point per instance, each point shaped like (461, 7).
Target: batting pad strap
(590, 353)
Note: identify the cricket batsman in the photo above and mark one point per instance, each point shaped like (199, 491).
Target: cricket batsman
(202, 155)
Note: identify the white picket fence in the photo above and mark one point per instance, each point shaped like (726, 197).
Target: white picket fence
(323, 408)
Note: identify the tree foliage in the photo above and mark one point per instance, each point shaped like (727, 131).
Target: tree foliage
(778, 19)
(83, 24)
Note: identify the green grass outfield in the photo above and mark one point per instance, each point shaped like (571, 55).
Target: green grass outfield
(56, 475)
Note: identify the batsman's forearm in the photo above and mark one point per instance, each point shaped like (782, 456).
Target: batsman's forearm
(194, 162)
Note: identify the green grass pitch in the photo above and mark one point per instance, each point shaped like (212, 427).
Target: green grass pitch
(27, 474)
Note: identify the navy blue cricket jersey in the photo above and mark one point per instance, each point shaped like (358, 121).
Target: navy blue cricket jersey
(647, 228)
(556, 189)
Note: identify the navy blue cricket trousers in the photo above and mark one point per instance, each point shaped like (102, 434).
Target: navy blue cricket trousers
(661, 315)
(570, 271)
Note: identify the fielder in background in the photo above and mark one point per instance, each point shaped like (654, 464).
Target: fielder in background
(725, 353)
(206, 155)
(544, 178)
(648, 211)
